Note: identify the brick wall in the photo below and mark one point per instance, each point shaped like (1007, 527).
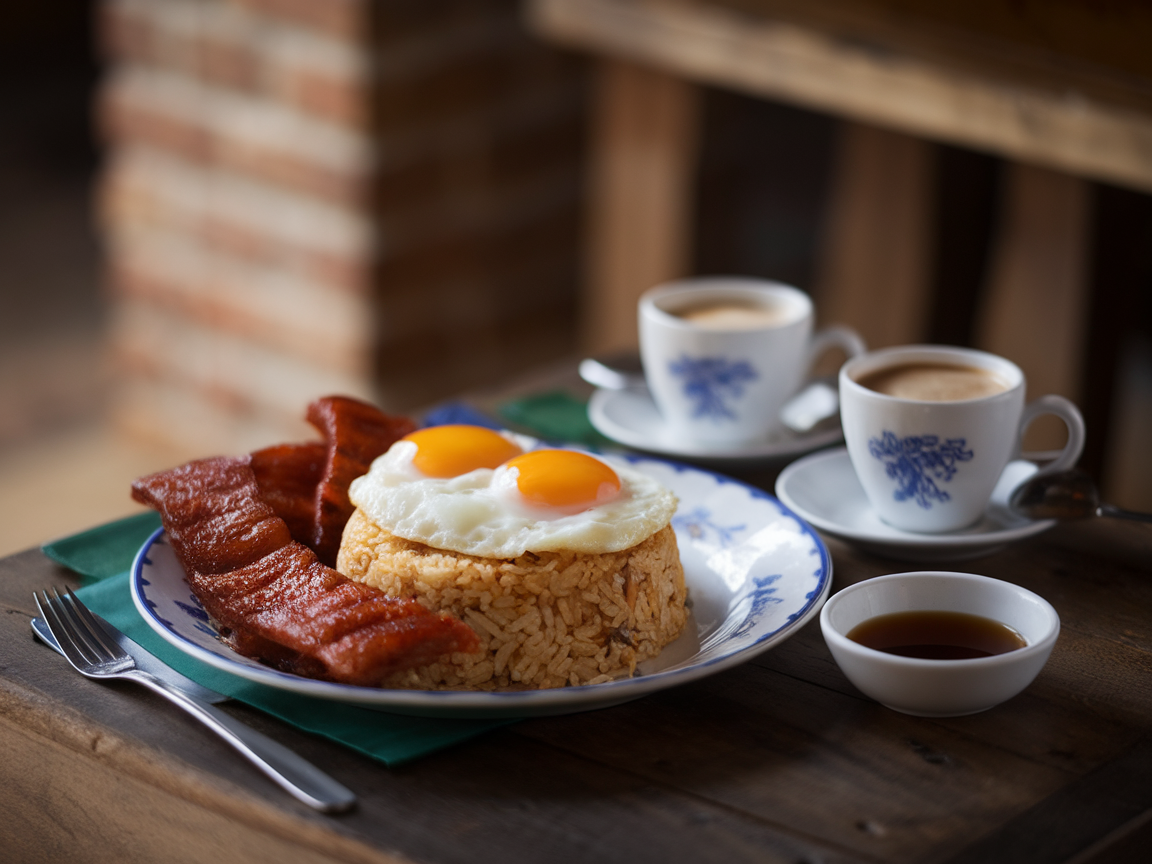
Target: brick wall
(298, 198)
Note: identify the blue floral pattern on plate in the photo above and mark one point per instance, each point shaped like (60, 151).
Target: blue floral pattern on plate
(711, 383)
(756, 573)
(699, 525)
(918, 463)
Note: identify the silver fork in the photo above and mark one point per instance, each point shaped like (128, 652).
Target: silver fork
(94, 655)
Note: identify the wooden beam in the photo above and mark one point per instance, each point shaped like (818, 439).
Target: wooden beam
(875, 263)
(980, 94)
(1035, 305)
(641, 196)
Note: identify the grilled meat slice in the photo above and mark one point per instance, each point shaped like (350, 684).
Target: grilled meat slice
(356, 433)
(337, 629)
(273, 598)
(288, 475)
(213, 513)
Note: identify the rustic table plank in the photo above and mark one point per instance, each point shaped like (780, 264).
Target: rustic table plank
(843, 767)
(1115, 799)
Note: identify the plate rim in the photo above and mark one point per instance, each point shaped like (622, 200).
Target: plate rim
(765, 451)
(905, 539)
(503, 703)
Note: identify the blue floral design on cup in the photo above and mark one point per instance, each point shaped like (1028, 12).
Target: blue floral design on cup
(918, 463)
(709, 382)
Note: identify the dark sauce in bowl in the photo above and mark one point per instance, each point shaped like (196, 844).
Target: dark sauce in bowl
(937, 635)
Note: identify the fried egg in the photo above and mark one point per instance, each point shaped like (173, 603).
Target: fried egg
(479, 492)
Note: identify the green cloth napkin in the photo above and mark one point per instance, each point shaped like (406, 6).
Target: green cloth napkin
(106, 550)
(554, 416)
(104, 556)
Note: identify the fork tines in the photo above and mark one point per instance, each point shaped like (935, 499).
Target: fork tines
(75, 629)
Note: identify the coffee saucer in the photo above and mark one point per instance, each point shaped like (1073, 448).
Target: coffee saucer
(631, 418)
(823, 490)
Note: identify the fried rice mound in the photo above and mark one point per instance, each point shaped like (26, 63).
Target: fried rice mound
(545, 619)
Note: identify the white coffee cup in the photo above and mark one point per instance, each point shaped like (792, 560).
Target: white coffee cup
(928, 461)
(723, 354)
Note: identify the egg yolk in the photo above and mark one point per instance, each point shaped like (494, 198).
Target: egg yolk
(452, 450)
(563, 478)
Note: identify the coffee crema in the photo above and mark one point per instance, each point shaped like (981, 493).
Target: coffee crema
(732, 315)
(934, 382)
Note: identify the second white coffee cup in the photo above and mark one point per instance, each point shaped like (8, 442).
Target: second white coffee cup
(723, 354)
(930, 429)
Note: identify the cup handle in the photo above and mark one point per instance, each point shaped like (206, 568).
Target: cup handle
(1070, 414)
(844, 338)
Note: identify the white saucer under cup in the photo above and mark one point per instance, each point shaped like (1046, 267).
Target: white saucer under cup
(630, 418)
(929, 465)
(721, 380)
(823, 489)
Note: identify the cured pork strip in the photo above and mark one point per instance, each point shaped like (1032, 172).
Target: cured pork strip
(272, 597)
(288, 475)
(307, 484)
(356, 433)
(338, 630)
(213, 513)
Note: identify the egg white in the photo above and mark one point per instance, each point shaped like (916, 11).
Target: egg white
(474, 515)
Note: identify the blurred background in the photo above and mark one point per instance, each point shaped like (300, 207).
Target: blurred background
(213, 211)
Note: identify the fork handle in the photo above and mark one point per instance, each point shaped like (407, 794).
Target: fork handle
(297, 776)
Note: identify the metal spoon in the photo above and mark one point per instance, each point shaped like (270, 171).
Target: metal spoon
(1065, 495)
(816, 403)
(622, 371)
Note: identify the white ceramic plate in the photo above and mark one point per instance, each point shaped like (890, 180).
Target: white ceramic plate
(630, 417)
(756, 573)
(823, 489)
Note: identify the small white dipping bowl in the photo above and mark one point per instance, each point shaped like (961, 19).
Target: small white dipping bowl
(940, 688)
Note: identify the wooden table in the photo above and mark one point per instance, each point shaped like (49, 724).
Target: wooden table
(779, 759)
